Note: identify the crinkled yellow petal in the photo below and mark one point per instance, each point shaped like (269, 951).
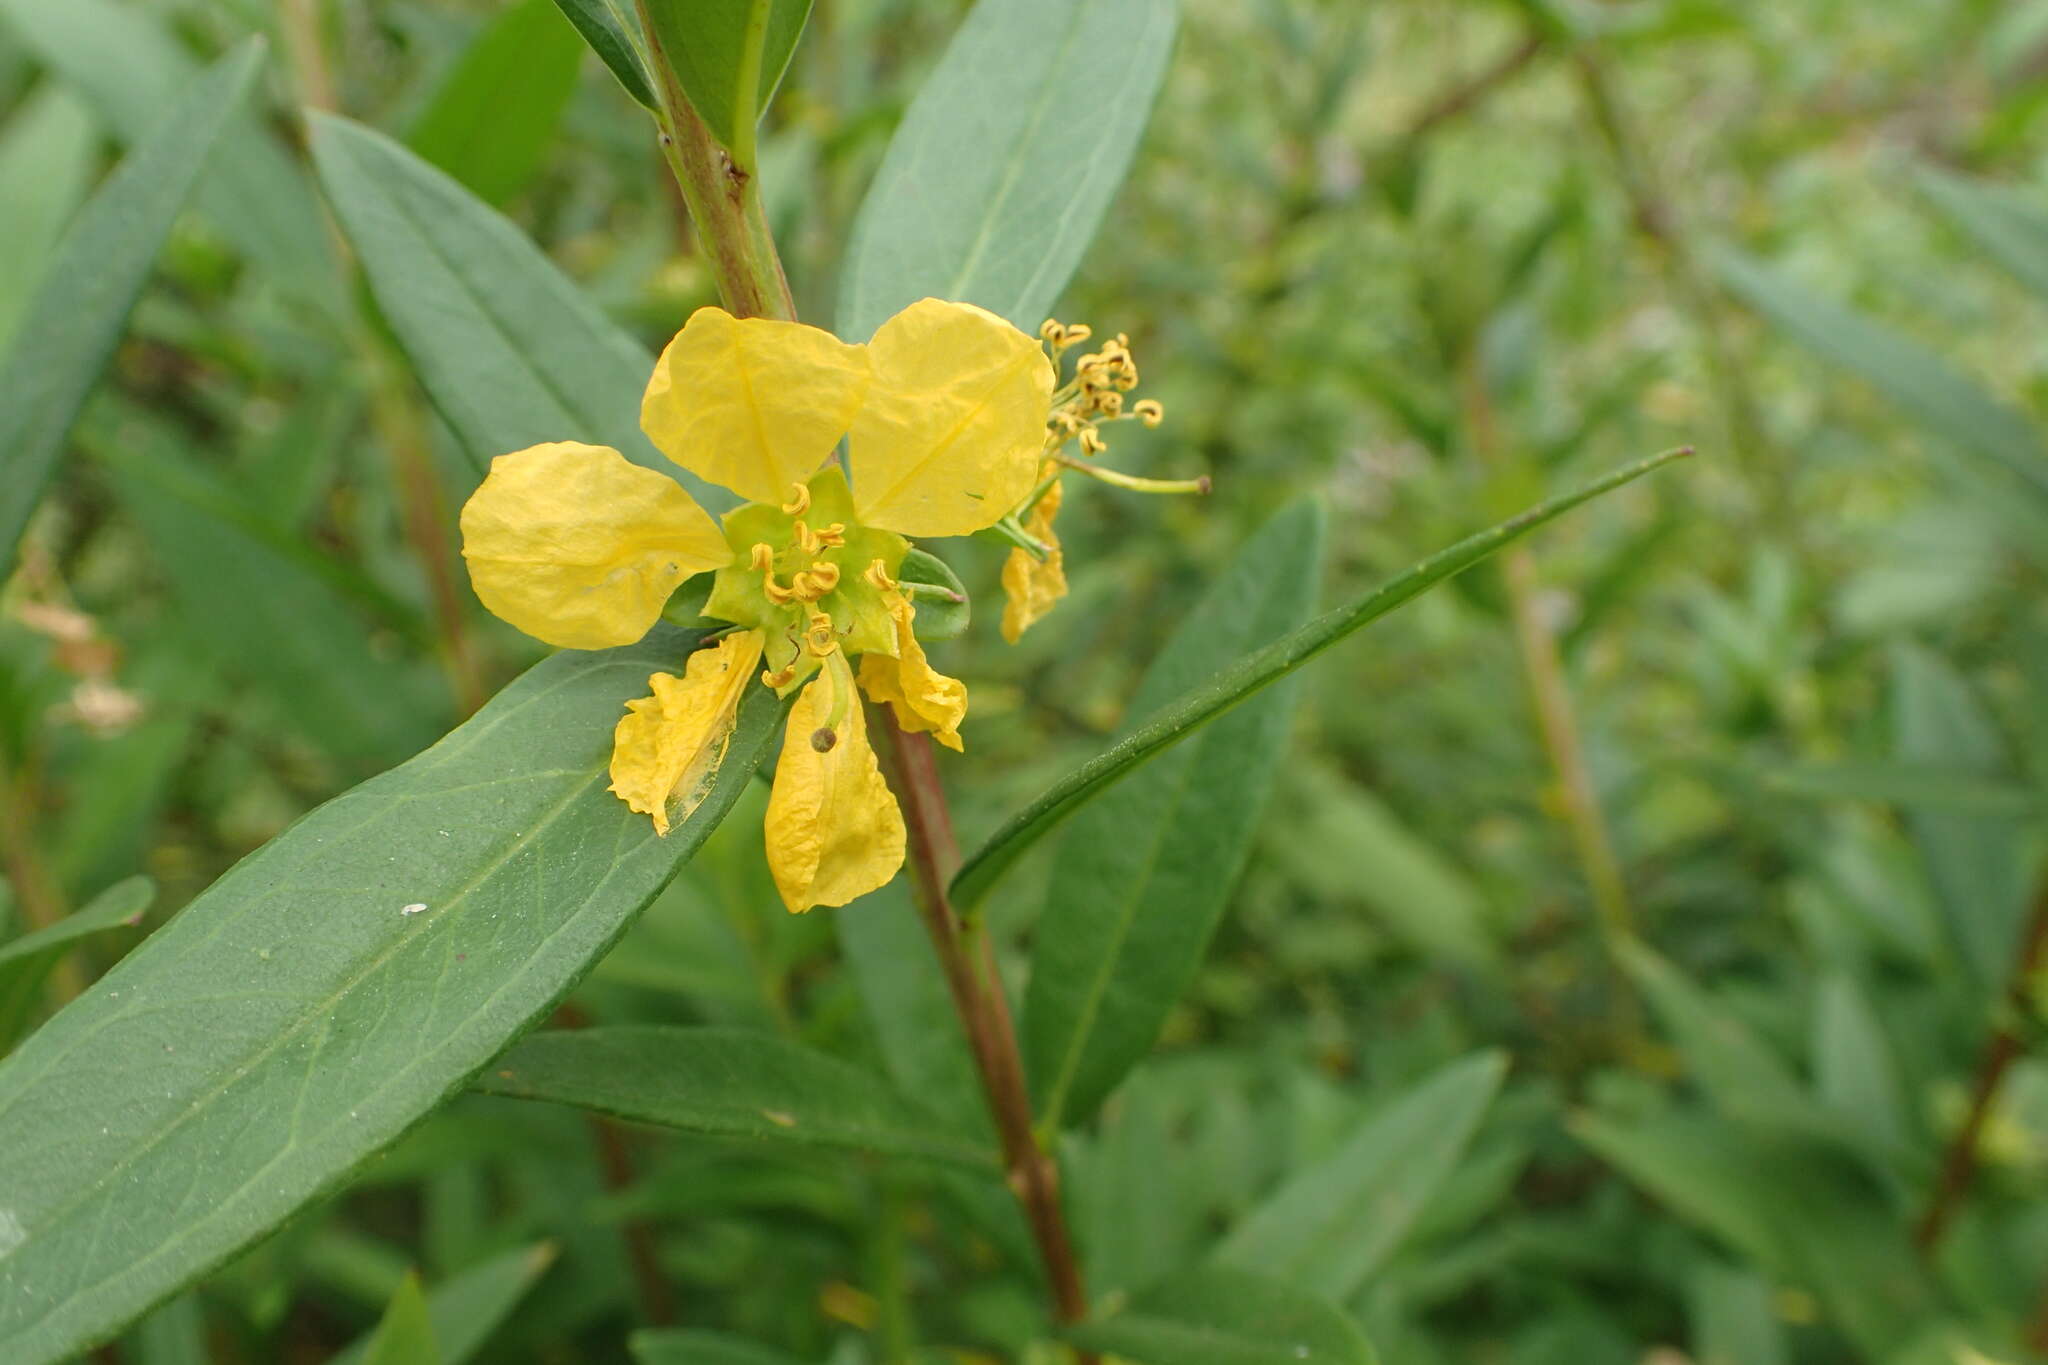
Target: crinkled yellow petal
(1031, 586)
(668, 748)
(576, 545)
(922, 698)
(950, 437)
(834, 832)
(754, 404)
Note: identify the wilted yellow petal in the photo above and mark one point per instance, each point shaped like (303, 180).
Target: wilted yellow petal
(833, 828)
(952, 430)
(668, 748)
(922, 698)
(754, 404)
(1031, 586)
(579, 547)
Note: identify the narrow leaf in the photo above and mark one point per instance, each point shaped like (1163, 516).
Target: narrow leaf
(47, 155)
(131, 70)
(70, 328)
(26, 962)
(1977, 860)
(1247, 677)
(706, 42)
(609, 32)
(1913, 377)
(467, 1307)
(335, 986)
(1214, 1316)
(1331, 1225)
(724, 1082)
(510, 351)
(2011, 229)
(1006, 162)
(406, 1335)
(1145, 872)
(490, 122)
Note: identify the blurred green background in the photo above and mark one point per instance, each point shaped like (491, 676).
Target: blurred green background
(1427, 259)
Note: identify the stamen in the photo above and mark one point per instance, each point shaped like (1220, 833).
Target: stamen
(1092, 442)
(1150, 411)
(826, 575)
(781, 679)
(878, 574)
(833, 536)
(819, 637)
(761, 558)
(807, 539)
(799, 501)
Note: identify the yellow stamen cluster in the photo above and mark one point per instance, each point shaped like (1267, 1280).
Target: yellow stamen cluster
(1095, 395)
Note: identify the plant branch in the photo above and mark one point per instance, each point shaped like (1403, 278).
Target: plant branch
(2001, 1050)
(1463, 96)
(968, 962)
(725, 204)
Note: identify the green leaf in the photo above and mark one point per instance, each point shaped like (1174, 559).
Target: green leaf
(406, 1335)
(1742, 1076)
(47, 151)
(174, 1334)
(1214, 1316)
(1143, 875)
(1854, 1070)
(937, 618)
(908, 1007)
(1922, 784)
(613, 35)
(1007, 160)
(706, 43)
(692, 1347)
(510, 351)
(73, 323)
(1332, 1224)
(1977, 860)
(1795, 1208)
(1247, 677)
(132, 72)
(235, 580)
(334, 987)
(725, 1082)
(27, 961)
(490, 122)
(1733, 1318)
(1913, 377)
(2012, 229)
(466, 1308)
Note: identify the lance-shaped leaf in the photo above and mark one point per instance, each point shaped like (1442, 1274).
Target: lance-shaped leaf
(693, 1346)
(1002, 169)
(725, 1082)
(130, 69)
(335, 986)
(1145, 872)
(69, 329)
(2012, 230)
(613, 35)
(1215, 1316)
(490, 121)
(1249, 676)
(511, 352)
(464, 1309)
(2000, 439)
(1332, 1224)
(26, 962)
(715, 46)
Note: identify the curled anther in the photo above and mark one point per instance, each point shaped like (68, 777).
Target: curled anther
(1092, 442)
(799, 501)
(877, 573)
(825, 574)
(807, 540)
(819, 637)
(778, 677)
(833, 536)
(1150, 411)
(761, 559)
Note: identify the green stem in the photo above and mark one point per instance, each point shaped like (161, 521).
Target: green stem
(723, 196)
(746, 99)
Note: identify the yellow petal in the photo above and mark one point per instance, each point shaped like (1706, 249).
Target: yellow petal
(576, 545)
(834, 832)
(754, 404)
(922, 698)
(1031, 586)
(950, 437)
(668, 748)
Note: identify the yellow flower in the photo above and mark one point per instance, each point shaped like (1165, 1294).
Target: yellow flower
(943, 412)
